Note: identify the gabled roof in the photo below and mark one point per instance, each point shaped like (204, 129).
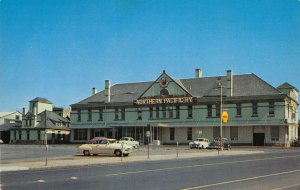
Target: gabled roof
(42, 100)
(4, 114)
(243, 85)
(51, 118)
(287, 86)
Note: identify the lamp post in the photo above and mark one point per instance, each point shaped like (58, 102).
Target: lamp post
(221, 111)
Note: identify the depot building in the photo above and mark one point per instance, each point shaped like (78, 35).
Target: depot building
(180, 110)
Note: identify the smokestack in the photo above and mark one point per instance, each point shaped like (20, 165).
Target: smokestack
(229, 84)
(107, 91)
(198, 73)
(94, 91)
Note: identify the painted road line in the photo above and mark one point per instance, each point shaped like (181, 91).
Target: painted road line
(200, 165)
(240, 180)
(286, 187)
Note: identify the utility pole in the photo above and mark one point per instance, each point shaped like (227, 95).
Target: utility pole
(221, 111)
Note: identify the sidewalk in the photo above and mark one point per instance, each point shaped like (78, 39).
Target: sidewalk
(76, 161)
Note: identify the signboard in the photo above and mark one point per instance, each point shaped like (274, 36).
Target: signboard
(224, 116)
(173, 100)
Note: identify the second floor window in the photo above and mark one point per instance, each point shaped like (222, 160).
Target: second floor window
(157, 112)
(123, 113)
(116, 114)
(218, 110)
(151, 113)
(100, 114)
(139, 113)
(209, 110)
(79, 115)
(190, 112)
(254, 109)
(164, 112)
(238, 110)
(89, 115)
(177, 112)
(271, 108)
(170, 112)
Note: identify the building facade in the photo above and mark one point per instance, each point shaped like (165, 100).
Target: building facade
(180, 110)
(41, 124)
(7, 121)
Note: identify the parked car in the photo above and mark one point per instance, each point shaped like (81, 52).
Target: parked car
(102, 145)
(216, 144)
(199, 143)
(129, 141)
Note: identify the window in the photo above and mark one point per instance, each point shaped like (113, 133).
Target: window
(123, 113)
(209, 110)
(170, 112)
(80, 134)
(151, 112)
(164, 112)
(172, 134)
(17, 117)
(177, 112)
(190, 112)
(254, 109)
(116, 114)
(238, 110)
(218, 110)
(164, 92)
(20, 135)
(79, 115)
(89, 115)
(100, 114)
(189, 133)
(157, 112)
(139, 113)
(271, 109)
(275, 133)
(234, 133)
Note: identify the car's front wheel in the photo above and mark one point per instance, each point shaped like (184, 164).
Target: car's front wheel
(118, 152)
(86, 152)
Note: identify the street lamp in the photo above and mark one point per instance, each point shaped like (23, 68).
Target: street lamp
(221, 111)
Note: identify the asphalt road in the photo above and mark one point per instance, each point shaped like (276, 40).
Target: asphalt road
(273, 170)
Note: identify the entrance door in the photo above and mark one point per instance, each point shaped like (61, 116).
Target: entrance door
(258, 139)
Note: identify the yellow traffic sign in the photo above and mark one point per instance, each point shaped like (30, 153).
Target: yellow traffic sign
(224, 116)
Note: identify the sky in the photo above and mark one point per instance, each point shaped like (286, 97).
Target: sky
(61, 49)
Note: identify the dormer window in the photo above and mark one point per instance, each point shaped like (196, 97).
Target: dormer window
(164, 92)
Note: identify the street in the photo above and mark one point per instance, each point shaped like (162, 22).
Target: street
(271, 170)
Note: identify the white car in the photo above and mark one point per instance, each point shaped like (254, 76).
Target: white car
(199, 143)
(101, 145)
(129, 141)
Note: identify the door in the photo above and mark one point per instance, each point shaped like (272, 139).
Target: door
(258, 139)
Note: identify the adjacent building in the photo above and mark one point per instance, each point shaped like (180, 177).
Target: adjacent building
(179, 110)
(7, 121)
(41, 123)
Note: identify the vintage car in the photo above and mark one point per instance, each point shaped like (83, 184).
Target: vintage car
(216, 144)
(129, 141)
(102, 145)
(199, 143)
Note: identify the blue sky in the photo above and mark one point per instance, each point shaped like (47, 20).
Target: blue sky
(61, 49)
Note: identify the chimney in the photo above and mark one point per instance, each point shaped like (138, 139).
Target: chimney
(107, 91)
(229, 84)
(23, 111)
(198, 73)
(94, 91)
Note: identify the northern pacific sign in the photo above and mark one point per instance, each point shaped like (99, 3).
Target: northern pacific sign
(175, 100)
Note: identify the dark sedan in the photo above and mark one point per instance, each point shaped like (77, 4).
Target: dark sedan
(216, 145)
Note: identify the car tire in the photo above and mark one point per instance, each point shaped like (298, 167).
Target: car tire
(202, 147)
(86, 153)
(118, 153)
(125, 154)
